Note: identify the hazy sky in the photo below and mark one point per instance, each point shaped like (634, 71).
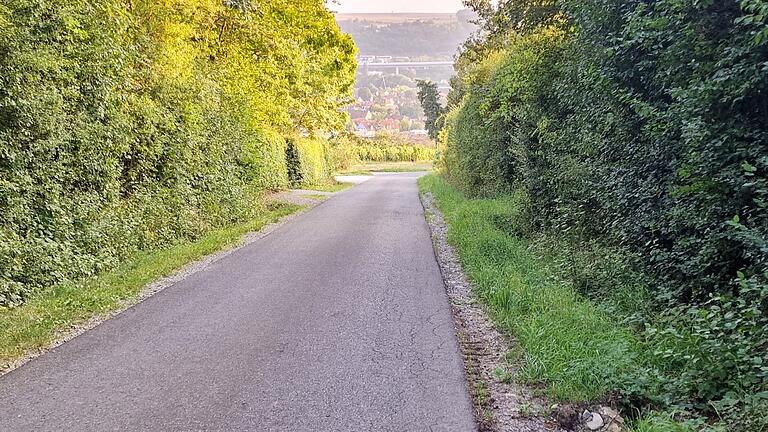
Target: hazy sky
(383, 6)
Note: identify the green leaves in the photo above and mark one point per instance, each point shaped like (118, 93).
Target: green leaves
(640, 127)
(756, 18)
(749, 169)
(131, 126)
(430, 103)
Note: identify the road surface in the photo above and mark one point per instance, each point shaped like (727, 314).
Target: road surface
(337, 321)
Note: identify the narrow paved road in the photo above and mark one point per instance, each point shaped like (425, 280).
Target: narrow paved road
(337, 321)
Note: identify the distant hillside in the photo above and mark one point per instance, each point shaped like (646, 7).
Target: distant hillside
(411, 35)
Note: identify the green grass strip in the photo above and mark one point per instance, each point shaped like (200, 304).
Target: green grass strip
(330, 187)
(568, 344)
(659, 422)
(36, 324)
(368, 168)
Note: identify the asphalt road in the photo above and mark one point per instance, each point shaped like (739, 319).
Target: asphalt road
(337, 321)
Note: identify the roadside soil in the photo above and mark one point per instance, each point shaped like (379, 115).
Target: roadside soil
(500, 403)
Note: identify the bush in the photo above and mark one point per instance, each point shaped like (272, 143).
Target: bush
(263, 160)
(347, 151)
(125, 129)
(343, 154)
(308, 162)
(638, 131)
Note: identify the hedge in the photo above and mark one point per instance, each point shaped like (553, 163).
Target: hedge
(347, 151)
(127, 127)
(638, 131)
(308, 162)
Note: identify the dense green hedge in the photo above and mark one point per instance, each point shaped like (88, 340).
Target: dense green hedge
(308, 162)
(639, 133)
(263, 160)
(346, 151)
(400, 153)
(130, 126)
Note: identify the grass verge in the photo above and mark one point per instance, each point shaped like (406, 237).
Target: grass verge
(37, 323)
(657, 422)
(569, 344)
(578, 350)
(372, 167)
(331, 187)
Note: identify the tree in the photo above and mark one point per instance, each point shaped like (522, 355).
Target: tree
(430, 102)
(365, 94)
(128, 126)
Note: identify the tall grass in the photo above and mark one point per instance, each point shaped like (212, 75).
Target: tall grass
(578, 349)
(570, 345)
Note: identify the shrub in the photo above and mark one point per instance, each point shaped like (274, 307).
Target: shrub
(638, 131)
(263, 160)
(309, 162)
(129, 127)
(347, 151)
(343, 153)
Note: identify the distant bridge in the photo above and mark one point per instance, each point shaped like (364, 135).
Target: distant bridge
(397, 65)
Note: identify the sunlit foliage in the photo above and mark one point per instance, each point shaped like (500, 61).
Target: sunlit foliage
(127, 125)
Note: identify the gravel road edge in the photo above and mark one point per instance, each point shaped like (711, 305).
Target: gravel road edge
(501, 404)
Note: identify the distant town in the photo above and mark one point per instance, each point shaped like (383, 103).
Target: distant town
(386, 99)
(394, 55)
